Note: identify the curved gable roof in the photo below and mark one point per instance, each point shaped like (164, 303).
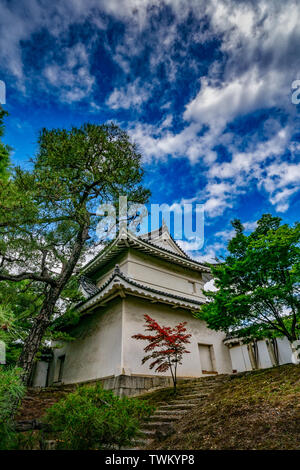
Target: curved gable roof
(126, 240)
(163, 239)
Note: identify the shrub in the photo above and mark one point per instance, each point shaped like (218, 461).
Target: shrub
(93, 418)
(11, 392)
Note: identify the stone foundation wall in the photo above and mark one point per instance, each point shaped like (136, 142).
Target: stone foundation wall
(130, 385)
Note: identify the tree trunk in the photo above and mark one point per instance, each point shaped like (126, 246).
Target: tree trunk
(42, 321)
(175, 375)
(33, 341)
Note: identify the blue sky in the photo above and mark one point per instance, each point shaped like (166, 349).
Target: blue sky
(203, 87)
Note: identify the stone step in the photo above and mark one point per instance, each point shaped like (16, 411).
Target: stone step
(195, 395)
(164, 417)
(192, 395)
(141, 442)
(178, 406)
(172, 410)
(169, 412)
(155, 425)
(189, 400)
(162, 423)
(147, 432)
(29, 424)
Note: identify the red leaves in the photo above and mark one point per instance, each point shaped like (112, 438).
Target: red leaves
(166, 346)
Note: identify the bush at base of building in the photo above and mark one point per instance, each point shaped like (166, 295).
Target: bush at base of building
(93, 418)
(11, 392)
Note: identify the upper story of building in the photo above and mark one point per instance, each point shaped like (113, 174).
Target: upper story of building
(153, 262)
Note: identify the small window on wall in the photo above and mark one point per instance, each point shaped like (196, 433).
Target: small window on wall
(61, 362)
(192, 287)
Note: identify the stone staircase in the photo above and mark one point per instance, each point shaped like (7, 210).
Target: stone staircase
(163, 422)
(159, 426)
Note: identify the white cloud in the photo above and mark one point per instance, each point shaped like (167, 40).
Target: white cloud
(259, 41)
(210, 254)
(225, 234)
(72, 80)
(191, 245)
(214, 251)
(133, 95)
(249, 226)
(228, 234)
(282, 181)
(260, 45)
(216, 104)
(261, 166)
(159, 141)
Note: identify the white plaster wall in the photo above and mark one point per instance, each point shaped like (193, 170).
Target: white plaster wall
(264, 359)
(240, 358)
(97, 352)
(284, 350)
(246, 357)
(241, 361)
(133, 352)
(237, 359)
(164, 276)
(40, 374)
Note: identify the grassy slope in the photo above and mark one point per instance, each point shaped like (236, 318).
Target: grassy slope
(255, 410)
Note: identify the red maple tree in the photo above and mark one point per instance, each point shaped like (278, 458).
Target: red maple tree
(166, 346)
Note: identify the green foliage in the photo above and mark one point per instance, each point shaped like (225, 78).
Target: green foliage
(19, 305)
(259, 282)
(4, 150)
(11, 392)
(93, 418)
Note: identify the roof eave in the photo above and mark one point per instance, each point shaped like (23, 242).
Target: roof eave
(119, 284)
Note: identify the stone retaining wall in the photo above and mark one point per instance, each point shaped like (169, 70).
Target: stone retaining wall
(130, 385)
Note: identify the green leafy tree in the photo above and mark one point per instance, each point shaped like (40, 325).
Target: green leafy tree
(258, 283)
(8, 329)
(20, 303)
(46, 229)
(4, 150)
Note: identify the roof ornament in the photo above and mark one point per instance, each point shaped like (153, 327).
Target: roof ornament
(117, 269)
(123, 232)
(164, 226)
